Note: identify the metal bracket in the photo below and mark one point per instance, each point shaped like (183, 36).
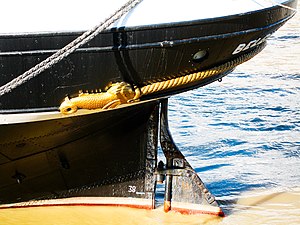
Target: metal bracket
(182, 184)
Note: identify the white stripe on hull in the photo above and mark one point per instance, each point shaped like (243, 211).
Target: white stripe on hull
(107, 201)
(16, 118)
(184, 208)
(189, 208)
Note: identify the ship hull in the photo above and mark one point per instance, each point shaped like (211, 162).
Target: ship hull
(104, 154)
(109, 156)
(138, 55)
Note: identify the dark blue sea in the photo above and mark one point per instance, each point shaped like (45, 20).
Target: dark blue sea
(242, 135)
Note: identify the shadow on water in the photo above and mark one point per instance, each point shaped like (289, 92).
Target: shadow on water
(231, 187)
(229, 206)
(262, 200)
(211, 167)
(287, 37)
(228, 191)
(220, 149)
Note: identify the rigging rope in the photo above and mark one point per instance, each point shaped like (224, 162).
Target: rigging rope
(68, 49)
(198, 76)
(121, 92)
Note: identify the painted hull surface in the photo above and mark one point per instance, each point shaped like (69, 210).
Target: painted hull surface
(137, 51)
(103, 154)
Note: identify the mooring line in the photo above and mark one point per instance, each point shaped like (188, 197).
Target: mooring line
(68, 49)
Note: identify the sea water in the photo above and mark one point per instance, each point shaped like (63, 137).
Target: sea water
(241, 135)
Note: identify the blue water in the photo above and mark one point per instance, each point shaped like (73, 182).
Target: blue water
(243, 133)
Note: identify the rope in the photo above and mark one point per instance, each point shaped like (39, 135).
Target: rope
(121, 92)
(195, 77)
(68, 49)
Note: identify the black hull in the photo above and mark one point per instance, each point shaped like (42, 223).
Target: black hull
(97, 155)
(137, 55)
(102, 158)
